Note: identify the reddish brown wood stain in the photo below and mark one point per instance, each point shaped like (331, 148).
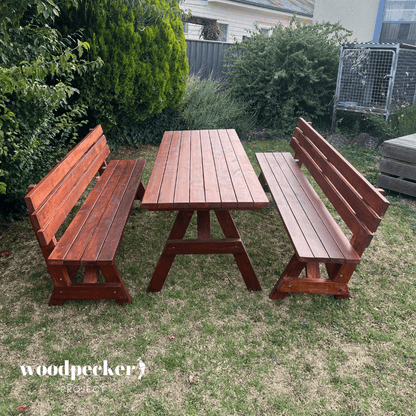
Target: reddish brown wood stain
(203, 171)
(315, 235)
(93, 237)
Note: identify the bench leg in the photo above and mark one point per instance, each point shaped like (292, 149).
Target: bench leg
(112, 275)
(293, 269)
(341, 273)
(290, 282)
(63, 277)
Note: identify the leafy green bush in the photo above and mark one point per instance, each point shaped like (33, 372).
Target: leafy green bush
(208, 105)
(401, 122)
(205, 105)
(38, 120)
(150, 131)
(144, 52)
(290, 74)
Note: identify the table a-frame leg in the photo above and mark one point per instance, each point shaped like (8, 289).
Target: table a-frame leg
(204, 244)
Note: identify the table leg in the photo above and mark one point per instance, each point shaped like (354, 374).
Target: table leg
(204, 244)
(165, 262)
(243, 262)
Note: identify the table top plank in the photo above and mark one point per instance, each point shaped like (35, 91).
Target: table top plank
(258, 195)
(203, 169)
(228, 197)
(181, 198)
(167, 188)
(196, 186)
(242, 193)
(212, 190)
(151, 196)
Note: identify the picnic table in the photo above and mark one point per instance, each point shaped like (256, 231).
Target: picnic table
(203, 171)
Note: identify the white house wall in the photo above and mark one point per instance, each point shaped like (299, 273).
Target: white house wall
(239, 18)
(356, 15)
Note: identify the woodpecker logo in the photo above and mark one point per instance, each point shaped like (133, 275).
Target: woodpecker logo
(76, 371)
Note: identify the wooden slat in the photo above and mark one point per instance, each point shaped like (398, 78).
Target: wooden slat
(258, 195)
(196, 185)
(331, 235)
(181, 196)
(62, 211)
(109, 249)
(151, 196)
(290, 191)
(291, 225)
(242, 193)
(363, 211)
(377, 201)
(35, 198)
(81, 217)
(81, 230)
(105, 225)
(342, 207)
(204, 246)
(228, 198)
(74, 183)
(212, 191)
(167, 187)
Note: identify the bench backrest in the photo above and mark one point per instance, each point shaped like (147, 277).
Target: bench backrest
(51, 200)
(356, 200)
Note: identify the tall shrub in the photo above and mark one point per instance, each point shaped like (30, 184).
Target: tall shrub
(207, 105)
(144, 52)
(38, 120)
(290, 74)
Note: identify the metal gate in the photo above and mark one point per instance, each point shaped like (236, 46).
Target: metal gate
(375, 78)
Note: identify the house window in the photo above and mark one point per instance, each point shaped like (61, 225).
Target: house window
(399, 21)
(185, 27)
(264, 29)
(223, 34)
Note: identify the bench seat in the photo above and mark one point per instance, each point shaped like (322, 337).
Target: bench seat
(314, 233)
(93, 235)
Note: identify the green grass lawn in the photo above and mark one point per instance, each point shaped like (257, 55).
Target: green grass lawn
(211, 347)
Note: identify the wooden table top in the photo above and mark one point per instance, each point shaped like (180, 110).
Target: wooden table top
(202, 170)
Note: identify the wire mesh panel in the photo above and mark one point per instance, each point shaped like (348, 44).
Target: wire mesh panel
(376, 78)
(404, 87)
(365, 79)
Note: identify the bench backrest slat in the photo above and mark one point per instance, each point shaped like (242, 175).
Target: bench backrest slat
(38, 194)
(342, 185)
(51, 201)
(68, 184)
(371, 196)
(358, 203)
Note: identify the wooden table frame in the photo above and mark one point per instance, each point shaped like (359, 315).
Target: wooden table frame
(203, 171)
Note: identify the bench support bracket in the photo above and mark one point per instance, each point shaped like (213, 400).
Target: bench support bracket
(290, 282)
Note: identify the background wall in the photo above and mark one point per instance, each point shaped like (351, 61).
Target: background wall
(356, 15)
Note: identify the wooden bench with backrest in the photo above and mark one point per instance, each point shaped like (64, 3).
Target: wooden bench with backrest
(314, 233)
(93, 236)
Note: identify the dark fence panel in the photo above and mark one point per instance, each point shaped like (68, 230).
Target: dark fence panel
(207, 58)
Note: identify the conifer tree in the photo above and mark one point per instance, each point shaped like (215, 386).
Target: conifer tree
(144, 52)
